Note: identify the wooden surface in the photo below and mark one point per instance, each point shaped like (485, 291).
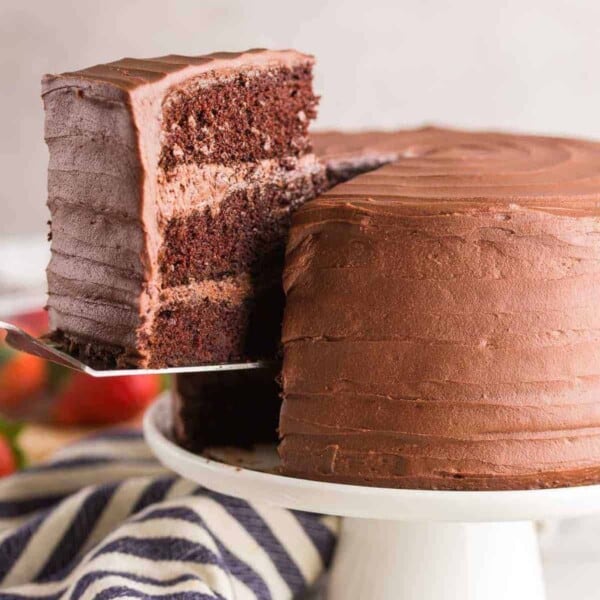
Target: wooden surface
(40, 442)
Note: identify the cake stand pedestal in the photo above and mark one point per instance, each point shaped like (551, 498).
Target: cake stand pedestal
(396, 544)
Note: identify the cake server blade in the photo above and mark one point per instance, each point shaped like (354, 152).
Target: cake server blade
(20, 340)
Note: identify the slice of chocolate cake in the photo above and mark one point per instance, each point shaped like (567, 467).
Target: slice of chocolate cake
(171, 182)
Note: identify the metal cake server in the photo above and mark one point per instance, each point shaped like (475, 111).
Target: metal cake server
(20, 340)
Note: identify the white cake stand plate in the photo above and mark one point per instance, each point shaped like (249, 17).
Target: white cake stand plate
(396, 544)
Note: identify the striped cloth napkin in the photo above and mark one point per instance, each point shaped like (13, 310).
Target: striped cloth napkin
(104, 520)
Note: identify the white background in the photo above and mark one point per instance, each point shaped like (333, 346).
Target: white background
(524, 65)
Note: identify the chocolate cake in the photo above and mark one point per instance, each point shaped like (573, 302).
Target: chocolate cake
(442, 328)
(171, 182)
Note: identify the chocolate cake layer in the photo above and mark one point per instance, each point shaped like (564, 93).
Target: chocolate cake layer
(169, 172)
(441, 327)
(268, 114)
(228, 326)
(247, 233)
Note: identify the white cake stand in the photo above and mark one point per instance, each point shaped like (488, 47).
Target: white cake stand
(396, 544)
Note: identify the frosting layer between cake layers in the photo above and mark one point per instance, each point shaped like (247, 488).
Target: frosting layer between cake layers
(171, 179)
(441, 327)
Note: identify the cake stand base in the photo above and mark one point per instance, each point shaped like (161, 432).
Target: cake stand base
(399, 560)
(395, 543)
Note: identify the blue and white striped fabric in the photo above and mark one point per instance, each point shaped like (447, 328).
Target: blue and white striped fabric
(104, 520)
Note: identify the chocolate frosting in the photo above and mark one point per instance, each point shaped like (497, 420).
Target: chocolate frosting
(442, 326)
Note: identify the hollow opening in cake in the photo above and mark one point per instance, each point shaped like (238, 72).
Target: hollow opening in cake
(249, 116)
(236, 408)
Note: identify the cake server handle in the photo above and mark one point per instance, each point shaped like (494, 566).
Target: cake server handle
(20, 340)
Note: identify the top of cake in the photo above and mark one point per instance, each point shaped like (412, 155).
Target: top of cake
(132, 73)
(433, 170)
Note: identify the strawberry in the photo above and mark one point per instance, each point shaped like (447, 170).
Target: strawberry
(8, 463)
(22, 377)
(11, 457)
(85, 400)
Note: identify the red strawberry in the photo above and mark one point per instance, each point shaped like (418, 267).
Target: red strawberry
(11, 457)
(8, 462)
(22, 377)
(89, 401)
